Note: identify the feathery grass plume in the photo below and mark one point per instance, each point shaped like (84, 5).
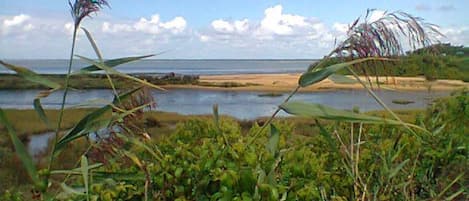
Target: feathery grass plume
(386, 36)
(83, 8)
(382, 37)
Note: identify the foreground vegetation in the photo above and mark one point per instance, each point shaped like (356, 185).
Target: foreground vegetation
(298, 159)
(339, 155)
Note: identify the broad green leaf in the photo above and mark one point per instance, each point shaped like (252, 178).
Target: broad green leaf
(84, 172)
(90, 122)
(22, 153)
(324, 112)
(93, 43)
(85, 125)
(112, 71)
(31, 75)
(272, 144)
(312, 77)
(111, 63)
(40, 111)
(342, 79)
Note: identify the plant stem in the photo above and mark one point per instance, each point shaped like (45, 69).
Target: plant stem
(382, 105)
(273, 115)
(64, 97)
(286, 100)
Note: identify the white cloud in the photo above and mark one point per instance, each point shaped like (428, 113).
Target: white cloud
(376, 15)
(281, 24)
(16, 20)
(115, 28)
(153, 25)
(222, 26)
(19, 23)
(68, 27)
(342, 28)
(277, 34)
(204, 38)
(238, 26)
(177, 25)
(148, 26)
(455, 35)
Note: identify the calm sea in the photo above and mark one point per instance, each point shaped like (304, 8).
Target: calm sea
(188, 67)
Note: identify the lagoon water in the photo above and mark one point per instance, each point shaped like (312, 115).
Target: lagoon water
(242, 105)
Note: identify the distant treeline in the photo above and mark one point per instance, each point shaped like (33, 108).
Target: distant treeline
(96, 81)
(441, 61)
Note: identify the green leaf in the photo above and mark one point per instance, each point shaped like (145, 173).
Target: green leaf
(22, 153)
(85, 125)
(342, 79)
(324, 112)
(312, 77)
(90, 122)
(40, 111)
(112, 63)
(272, 144)
(112, 71)
(84, 171)
(93, 43)
(31, 75)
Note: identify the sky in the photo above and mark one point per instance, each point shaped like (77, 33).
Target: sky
(203, 29)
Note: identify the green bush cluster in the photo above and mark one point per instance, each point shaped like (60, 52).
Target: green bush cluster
(205, 160)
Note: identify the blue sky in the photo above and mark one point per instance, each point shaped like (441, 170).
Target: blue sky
(207, 29)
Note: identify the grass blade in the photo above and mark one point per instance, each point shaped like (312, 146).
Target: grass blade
(312, 77)
(110, 70)
(84, 171)
(395, 170)
(22, 153)
(93, 43)
(272, 144)
(324, 112)
(31, 75)
(40, 111)
(112, 63)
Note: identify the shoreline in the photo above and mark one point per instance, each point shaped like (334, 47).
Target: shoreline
(286, 82)
(265, 82)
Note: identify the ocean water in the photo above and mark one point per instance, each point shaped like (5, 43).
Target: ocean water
(187, 67)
